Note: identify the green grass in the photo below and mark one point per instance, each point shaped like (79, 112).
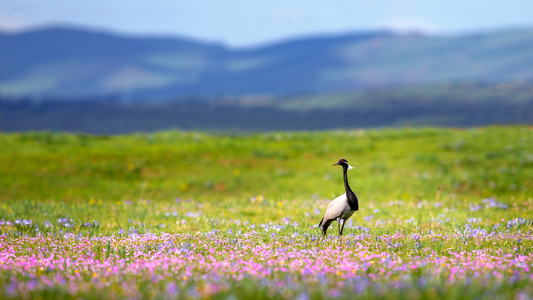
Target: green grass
(432, 201)
(262, 177)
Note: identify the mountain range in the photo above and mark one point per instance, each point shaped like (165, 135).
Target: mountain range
(69, 63)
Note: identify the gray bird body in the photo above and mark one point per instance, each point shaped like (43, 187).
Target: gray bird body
(342, 207)
(338, 209)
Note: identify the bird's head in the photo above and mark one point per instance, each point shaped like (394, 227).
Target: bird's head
(344, 163)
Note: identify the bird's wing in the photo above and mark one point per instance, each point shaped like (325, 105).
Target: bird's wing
(336, 207)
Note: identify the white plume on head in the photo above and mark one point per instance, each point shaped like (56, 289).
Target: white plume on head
(349, 167)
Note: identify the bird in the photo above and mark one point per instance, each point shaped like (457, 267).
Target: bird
(342, 207)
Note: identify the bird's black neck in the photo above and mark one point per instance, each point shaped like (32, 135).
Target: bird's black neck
(352, 198)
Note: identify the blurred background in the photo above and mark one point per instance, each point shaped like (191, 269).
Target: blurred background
(128, 66)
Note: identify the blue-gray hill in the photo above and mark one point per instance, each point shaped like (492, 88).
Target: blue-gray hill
(72, 63)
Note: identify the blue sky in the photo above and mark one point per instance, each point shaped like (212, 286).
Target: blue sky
(243, 23)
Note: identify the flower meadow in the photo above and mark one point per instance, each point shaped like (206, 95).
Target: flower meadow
(268, 261)
(444, 214)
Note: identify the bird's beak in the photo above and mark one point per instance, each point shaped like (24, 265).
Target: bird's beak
(335, 164)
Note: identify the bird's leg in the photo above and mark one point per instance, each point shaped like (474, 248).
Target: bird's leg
(342, 228)
(339, 226)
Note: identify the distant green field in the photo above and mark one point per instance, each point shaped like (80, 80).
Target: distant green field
(453, 105)
(443, 213)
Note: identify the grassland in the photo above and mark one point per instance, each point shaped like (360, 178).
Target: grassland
(431, 200)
